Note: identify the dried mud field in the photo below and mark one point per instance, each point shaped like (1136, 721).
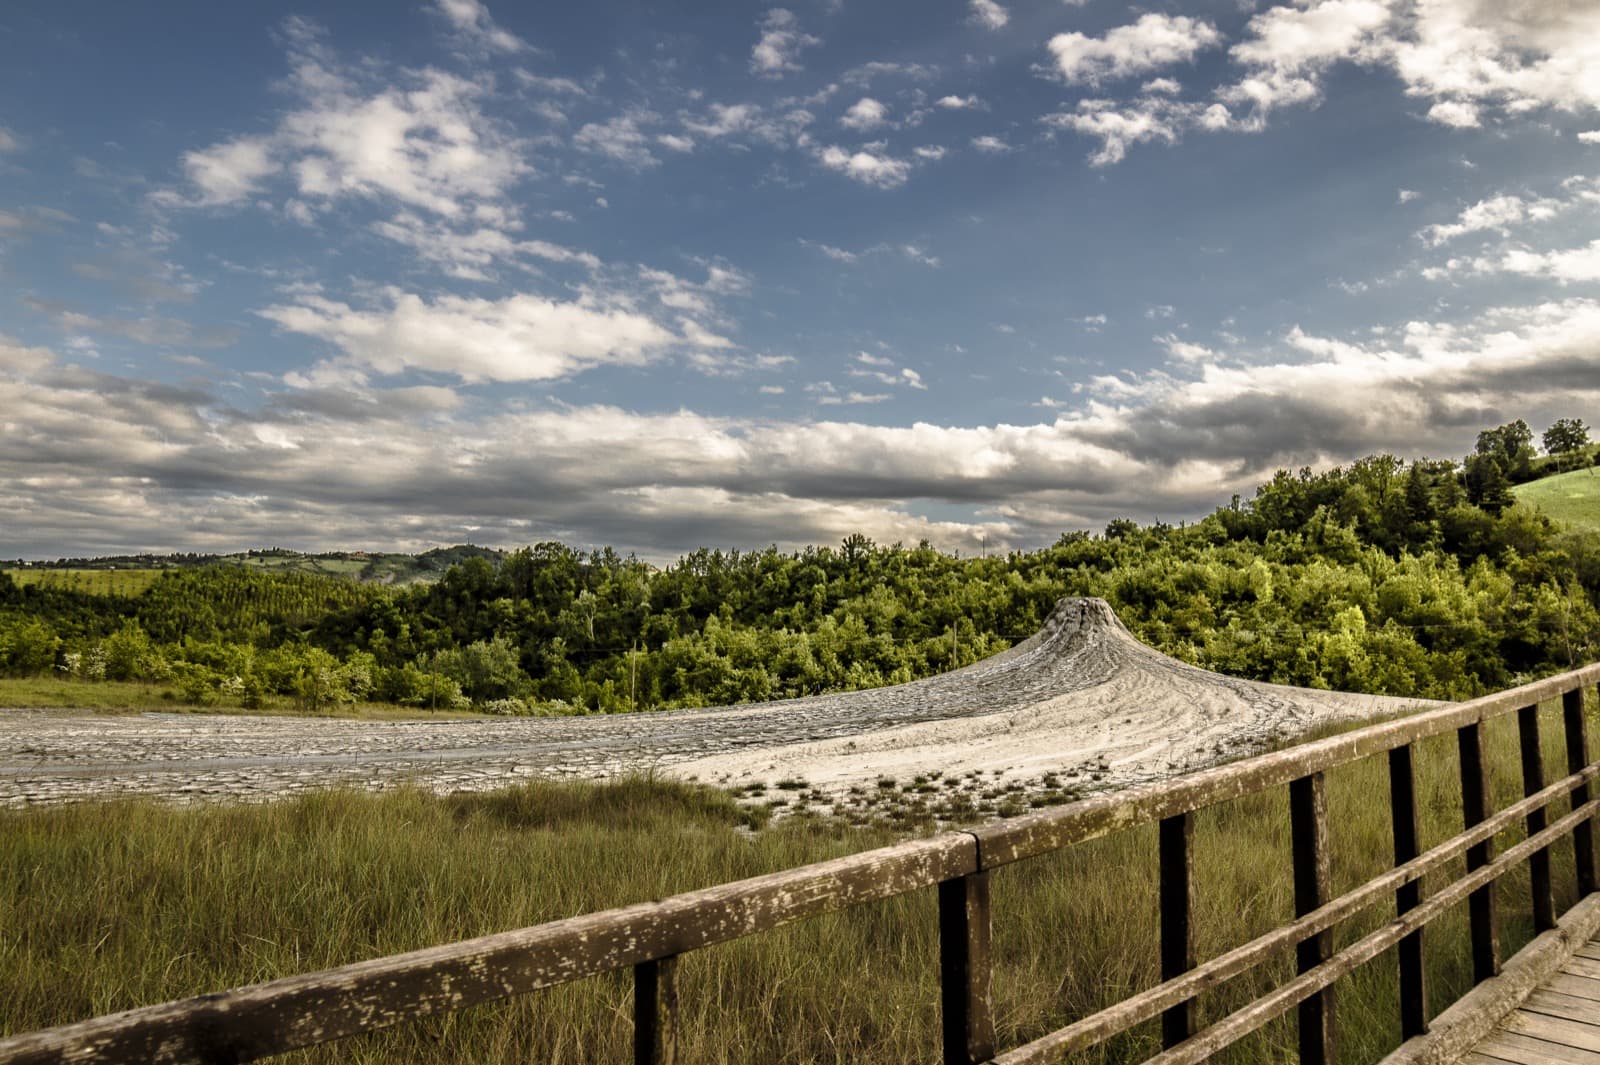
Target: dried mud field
(1081, 706)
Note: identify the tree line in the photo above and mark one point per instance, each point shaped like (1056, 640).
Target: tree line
(1419, 578)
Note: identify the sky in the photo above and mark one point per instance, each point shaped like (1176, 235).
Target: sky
(662, 275)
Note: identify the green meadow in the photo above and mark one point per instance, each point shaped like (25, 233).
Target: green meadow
(1572, 498)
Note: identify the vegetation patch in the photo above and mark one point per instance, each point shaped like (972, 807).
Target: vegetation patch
(1571, 498)
(167, 902)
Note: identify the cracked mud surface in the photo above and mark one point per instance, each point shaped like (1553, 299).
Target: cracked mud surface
(1082, 698)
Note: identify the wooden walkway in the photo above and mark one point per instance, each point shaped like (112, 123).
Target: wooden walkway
(1558, 1024)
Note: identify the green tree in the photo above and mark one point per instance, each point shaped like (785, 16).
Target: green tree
(1567, 437)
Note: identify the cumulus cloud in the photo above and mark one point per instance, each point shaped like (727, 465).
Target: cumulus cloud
(1152, 42)
(1119, 126)
(9, 141)
(869, 164)
(424, 142)
(959, 103)
(777, 52)
(473, 23)
(865, 114)
(991, 145)
(519, 338)
(621, 138)
(988, 14)
(1497, 214)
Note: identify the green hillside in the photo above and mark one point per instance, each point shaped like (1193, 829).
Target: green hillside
(1573, 498)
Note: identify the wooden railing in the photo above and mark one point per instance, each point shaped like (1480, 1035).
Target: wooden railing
(298, 1011)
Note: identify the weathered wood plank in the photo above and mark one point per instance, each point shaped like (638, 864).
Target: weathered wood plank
(655, 1012)
(1589, 950)
(1583, 845)
(1023, 837)
(1483, 907)
(1177, 936)
(965, 968)
(1476, 1058)
(252, 1022)
(1576, 986)
(1586, 967)
(1554, 1030)
(1553, 1002)
(1544, 903)
(1406, 820)
(1525, 1050)
(1313, 884)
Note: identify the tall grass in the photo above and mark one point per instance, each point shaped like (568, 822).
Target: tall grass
(112, 905)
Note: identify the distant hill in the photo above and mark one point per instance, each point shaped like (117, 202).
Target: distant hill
(1573, 498)
(374, 567)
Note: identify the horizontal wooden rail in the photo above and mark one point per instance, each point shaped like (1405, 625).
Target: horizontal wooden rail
(253, 1022)
(299, 1011)
(1098, 1027)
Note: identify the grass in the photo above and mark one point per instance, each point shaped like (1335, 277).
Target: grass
(131, 697)
(111, 905)
(126, 582)
(1573, 497)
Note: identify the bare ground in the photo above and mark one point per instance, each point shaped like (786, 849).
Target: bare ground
(1082, 699)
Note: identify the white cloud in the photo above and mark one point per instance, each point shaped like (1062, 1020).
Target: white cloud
(621, 138)
(519, 338)
(1407, 195)
(778, 50)
(865, 114)
(9, 141)
(227, 173)
(959, 103)
(1118, 128)
(1591, 136)
(930, 152)
(1473, 54)
(991, 145)
(104, 463)
(471, 253)
(1290, 48)
(1153, 42)
(1497, 214)
(988, 14)
(1458, 113)
(675, 143)
(425, 142)
(870, 165)
(471, 20)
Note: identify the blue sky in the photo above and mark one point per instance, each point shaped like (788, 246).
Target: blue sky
(664, 275)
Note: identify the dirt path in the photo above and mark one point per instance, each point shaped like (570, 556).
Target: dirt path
(1082, 698)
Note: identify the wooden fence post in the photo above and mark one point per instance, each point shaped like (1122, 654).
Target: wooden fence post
(1544, 903)
(964, 969)
(1407, 845)
(655, 1012)
(1308, 825)
(1482, 907)
(1177, 936)
(1583, 850)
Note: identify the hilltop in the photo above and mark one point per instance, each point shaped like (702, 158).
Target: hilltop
(375, 567)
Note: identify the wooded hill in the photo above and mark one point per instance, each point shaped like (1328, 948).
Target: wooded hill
(1417, 579)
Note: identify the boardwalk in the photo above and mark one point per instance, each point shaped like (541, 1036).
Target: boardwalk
(1559, 1023)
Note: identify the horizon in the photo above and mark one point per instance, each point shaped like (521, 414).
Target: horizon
(976, 273)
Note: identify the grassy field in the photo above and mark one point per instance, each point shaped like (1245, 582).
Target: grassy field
(110, 696)
(113, 905)
(1572, 497)
(128, 582)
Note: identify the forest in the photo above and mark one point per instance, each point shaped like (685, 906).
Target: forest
(1422, 578)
